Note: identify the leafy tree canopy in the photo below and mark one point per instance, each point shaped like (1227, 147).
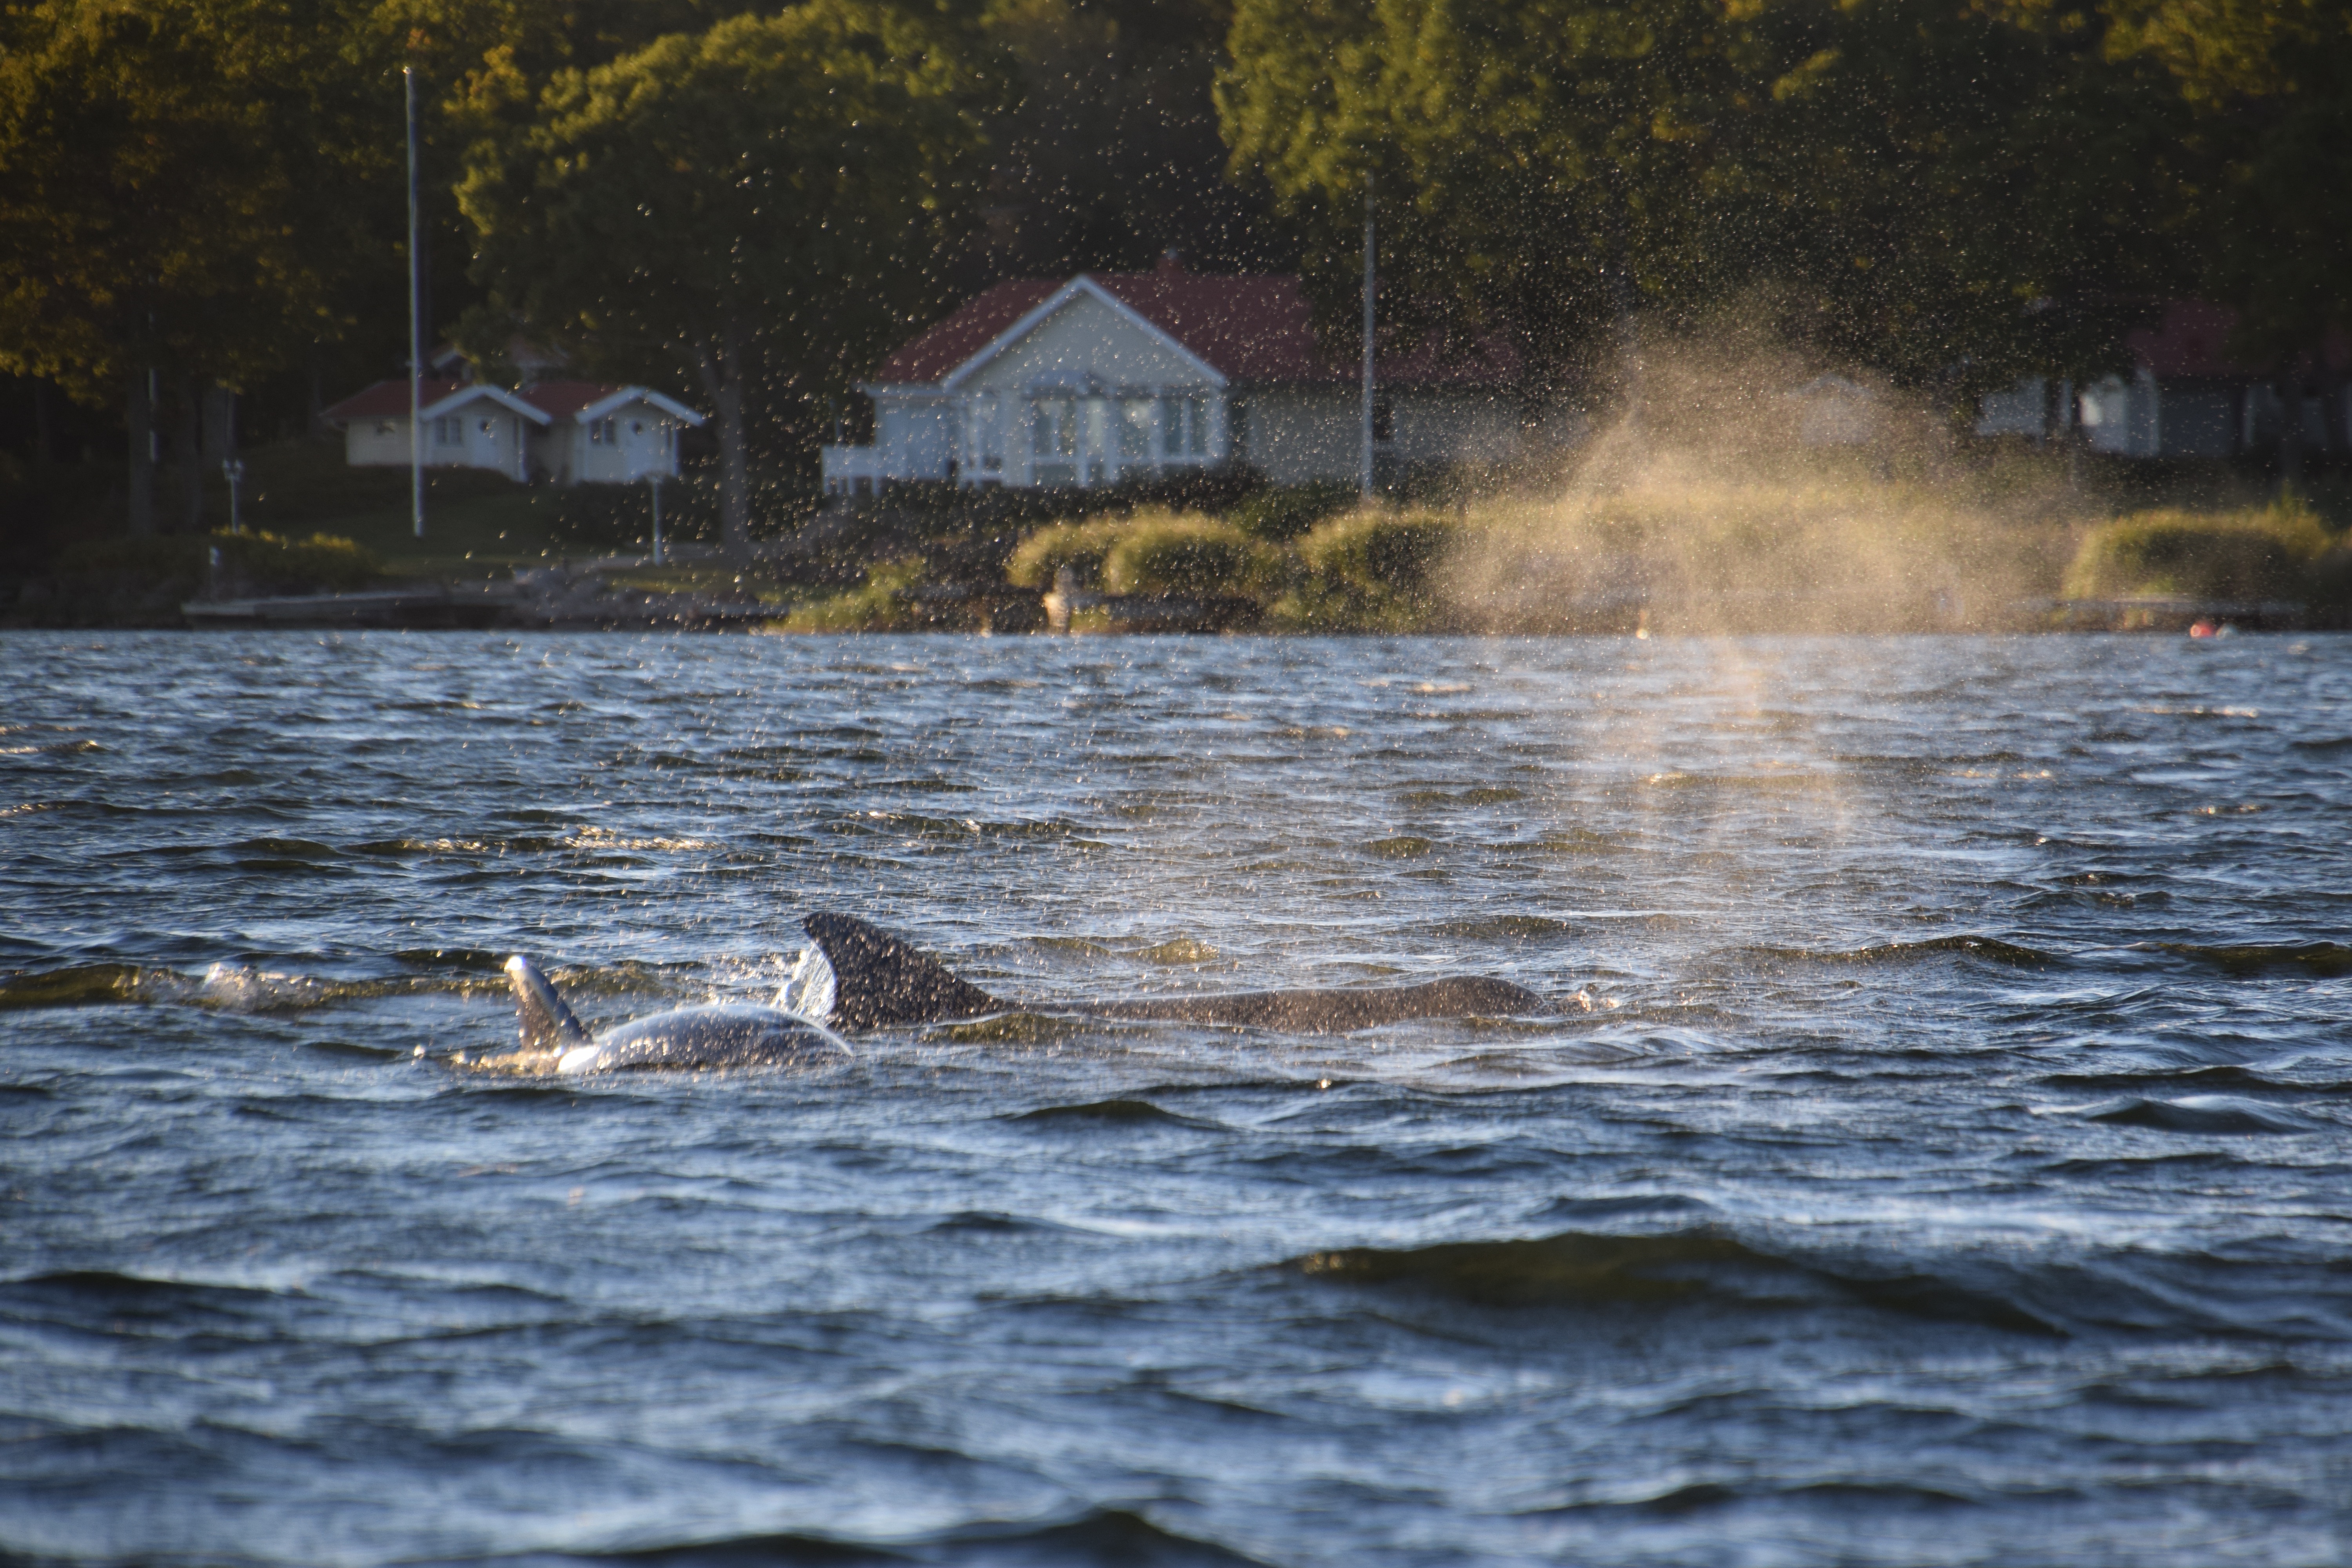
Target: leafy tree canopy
(754, 204)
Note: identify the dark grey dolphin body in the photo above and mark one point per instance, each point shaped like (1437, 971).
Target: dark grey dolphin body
(871, 979)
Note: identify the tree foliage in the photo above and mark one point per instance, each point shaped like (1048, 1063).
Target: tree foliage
(1901, 181)
(174, 186)
(753, 205)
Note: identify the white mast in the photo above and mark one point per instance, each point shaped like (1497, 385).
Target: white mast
(1366, 473)
(415, 328)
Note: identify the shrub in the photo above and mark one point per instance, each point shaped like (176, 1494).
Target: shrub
(883, 603)
(2242, 555)
(1387, 553)
(1188, 556)
(1080, 546)
(322, 563)
(1282, 514)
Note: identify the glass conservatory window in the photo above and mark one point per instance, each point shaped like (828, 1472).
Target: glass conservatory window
(1135, 428)
(1054, 423)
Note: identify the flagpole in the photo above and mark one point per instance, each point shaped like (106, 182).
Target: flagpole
(415, 328)
(1365, 474)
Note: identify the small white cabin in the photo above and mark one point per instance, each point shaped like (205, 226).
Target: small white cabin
(598, 435)
(568, 432)
(1117, 376)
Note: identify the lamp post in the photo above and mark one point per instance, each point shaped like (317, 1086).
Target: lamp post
(415, 327)
(233, 470)
(1366, 474)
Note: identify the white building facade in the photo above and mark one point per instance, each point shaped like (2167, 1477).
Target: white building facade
(564, 432)
(1118, 377)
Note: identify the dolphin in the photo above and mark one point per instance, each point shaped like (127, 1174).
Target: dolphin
(858, 977)
(715, 1035)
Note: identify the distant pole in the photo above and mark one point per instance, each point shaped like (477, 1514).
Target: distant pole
(415, 328)
(1366, 474)
(232, 465)
(653, 482)
(233, 470)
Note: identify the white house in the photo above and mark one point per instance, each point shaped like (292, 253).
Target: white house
(2186, 395)
(1835, 410)
(599, 435)
(1118, 375)
(572, 432)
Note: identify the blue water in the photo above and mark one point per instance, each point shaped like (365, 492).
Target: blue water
(1938, 1154)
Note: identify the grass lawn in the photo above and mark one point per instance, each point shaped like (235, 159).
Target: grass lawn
(477, 525)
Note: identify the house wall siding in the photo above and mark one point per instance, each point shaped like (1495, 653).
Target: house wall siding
(1297, 434)
(1086, 338)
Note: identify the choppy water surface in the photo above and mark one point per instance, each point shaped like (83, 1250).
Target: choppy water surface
(1939, 1154)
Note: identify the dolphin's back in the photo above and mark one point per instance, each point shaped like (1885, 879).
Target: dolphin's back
(879, 980)
(716, 1036)
(1334, 1011)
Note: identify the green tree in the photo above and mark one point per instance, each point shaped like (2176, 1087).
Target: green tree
(1911, 182)
(2268, 88)
(179, 199)
(753, 205)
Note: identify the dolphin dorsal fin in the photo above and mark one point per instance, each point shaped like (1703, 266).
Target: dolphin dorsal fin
(547, 1025)
(878, 980)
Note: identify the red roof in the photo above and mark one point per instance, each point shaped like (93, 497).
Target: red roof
(947, 344)
(564, 399)
(1250, 328)
(387, 400)
(2191, 338)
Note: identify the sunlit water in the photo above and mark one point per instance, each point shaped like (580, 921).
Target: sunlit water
(1938, 1154)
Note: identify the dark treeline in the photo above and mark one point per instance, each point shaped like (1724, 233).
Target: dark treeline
(747, 204)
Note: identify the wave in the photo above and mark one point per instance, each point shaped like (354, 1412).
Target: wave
(244, 988)
(1985, 949)
(2218, 1114)
(2328, 960)
(1127, 1111)
(1584, 1269)
(1506, 928)
(1097, 1536)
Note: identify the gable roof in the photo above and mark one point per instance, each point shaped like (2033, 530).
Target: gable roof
(388, 400)
(615, 397)
(1246, 327)
(542, 403)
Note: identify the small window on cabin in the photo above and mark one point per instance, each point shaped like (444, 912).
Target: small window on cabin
(637, 426)
(448, 430)
(1196, 426)
(1054, 427)
(1171, 426)
(1135, 428)
(992, 433)
(489, 427)
(386, 428)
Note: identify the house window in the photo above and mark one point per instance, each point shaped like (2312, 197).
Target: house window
(991, 434)
(448, 430)
(489, 429)
(1054, 427)
(1134, 429)
(1196, 426)
(386, 428)
(600, 432)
